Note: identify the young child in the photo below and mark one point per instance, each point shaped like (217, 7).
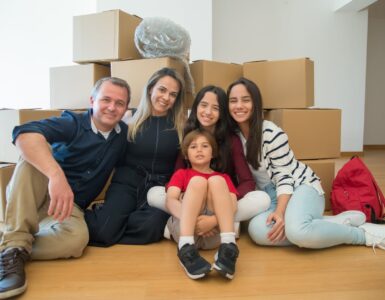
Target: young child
(199, 198)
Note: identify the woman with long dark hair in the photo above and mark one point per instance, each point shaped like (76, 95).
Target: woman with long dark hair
(295, 215)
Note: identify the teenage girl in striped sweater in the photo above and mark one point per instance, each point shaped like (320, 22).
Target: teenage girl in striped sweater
(295, 215)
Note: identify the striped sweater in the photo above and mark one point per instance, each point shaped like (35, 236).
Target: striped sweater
(284, 170)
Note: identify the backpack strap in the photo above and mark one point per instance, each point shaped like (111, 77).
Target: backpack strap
(373, 218)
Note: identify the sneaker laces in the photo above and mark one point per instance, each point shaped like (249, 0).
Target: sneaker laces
(190, 255)
(11, 262)
(379, 243)
(230, 253)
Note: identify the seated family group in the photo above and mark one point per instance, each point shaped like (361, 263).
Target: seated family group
(192, 181)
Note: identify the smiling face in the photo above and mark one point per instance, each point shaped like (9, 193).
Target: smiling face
(240, 104)
(109, 105)
(163, 95)
(208, 111)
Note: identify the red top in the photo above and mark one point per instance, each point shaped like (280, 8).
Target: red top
(240, 168)
(182, 177)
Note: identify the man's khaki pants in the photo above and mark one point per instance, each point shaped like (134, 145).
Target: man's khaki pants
(27, 224)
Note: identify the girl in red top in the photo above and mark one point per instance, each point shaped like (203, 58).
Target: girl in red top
(199, 190)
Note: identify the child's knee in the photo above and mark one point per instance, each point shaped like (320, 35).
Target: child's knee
(197, 182)
(216, 181)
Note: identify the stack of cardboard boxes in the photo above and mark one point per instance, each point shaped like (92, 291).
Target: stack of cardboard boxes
(103, 45)
(287, 89)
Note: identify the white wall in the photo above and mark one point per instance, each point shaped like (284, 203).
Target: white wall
(375, 77)
(34, 36)
(248, 30)
(194, 15)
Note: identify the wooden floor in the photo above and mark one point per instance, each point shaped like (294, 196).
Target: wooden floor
(152, 272)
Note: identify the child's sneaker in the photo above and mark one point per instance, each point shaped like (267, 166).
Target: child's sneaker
(225, 259)
(374, 235)
(350, 217)
(195, 265)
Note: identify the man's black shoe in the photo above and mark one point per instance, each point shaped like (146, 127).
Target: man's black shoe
(194, 264)
(225, 260)
(12, 274)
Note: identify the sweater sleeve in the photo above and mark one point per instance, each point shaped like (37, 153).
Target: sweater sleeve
(245, 179)
(279, 158)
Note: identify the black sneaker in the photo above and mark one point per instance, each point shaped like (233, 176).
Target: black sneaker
(194, 264)
(12, 275)
(225, 259)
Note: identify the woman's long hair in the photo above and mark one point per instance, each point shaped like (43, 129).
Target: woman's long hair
(221, 131)
(254, 140)
(143, 112)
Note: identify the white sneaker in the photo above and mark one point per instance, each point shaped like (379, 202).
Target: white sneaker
(374, 235)
(350, 217)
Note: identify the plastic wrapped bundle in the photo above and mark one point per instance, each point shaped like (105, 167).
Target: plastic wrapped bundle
(161, 37)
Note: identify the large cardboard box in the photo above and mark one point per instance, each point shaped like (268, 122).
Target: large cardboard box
(138, 72)
(104, 37)
(313, 133)
(221, 74)
(324, 169)
(71, 86)
(283, 83)
(9, 118)
(6, 171)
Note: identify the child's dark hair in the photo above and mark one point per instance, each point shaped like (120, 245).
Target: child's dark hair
(194, 134)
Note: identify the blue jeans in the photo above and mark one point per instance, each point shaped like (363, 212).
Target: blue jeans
(304, 224)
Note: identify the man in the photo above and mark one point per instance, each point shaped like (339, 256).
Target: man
(51, 187)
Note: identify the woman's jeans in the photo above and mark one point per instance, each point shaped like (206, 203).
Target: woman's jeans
(304, 224)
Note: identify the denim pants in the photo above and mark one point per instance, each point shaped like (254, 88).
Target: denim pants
(304, 224)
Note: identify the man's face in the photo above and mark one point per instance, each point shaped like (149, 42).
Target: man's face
(109, 106)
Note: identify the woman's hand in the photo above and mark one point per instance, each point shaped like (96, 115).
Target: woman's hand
(277, 223)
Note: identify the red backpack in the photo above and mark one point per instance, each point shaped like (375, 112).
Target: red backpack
(354, 188)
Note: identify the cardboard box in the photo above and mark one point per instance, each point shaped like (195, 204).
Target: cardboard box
(71, 86)
(138, 72)
(6, 171)
(104, 37)
(9, 118)
(221, 74)
(283, 83)
(313, 133)
(324, 169)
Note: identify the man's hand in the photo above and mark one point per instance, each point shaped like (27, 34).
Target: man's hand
(36, 151)
(62, 197)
